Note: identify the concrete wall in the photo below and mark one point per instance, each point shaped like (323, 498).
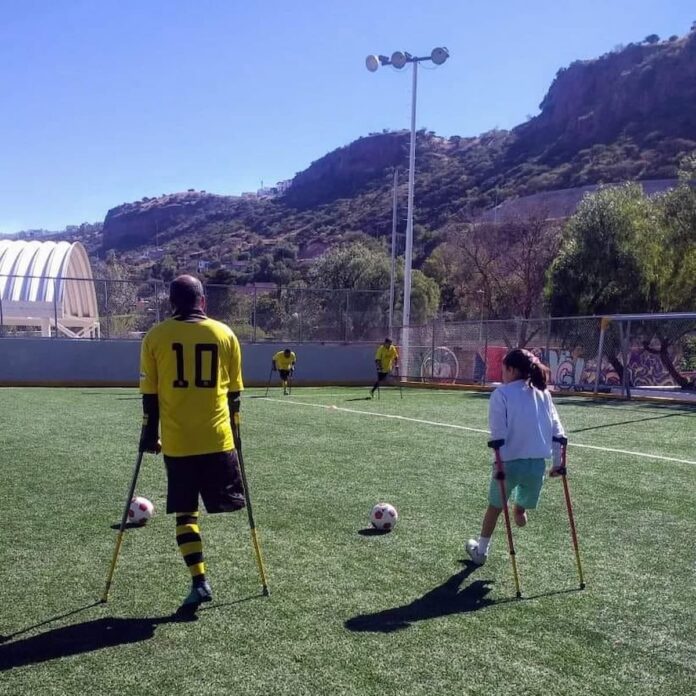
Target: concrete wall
(65, 362)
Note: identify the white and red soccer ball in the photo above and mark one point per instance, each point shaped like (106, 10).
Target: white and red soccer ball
(384, 517)
(140, 510)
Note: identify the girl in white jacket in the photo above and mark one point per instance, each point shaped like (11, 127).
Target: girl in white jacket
(522, 414)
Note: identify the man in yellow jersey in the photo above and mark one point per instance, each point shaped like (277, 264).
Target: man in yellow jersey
(191, 379)
(386, 358)
(284, 362)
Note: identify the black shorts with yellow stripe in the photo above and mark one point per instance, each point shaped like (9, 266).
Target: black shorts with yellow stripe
(215, 478)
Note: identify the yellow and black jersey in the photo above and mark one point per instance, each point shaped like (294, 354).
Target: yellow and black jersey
(386, 357)
(191, 366)
(284, 362)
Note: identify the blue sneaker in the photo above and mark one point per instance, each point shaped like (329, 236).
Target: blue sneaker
(200, 592)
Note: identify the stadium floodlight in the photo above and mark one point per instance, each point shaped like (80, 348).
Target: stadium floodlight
(439, 55)
(372, 63)
(399, 59)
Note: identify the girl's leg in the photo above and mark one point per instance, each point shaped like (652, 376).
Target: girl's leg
(520, 515)
(490, 519)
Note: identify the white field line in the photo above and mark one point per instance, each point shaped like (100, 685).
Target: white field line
(452, 426)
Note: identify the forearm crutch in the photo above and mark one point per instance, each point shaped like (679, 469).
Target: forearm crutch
(499, 476)
(562, 472)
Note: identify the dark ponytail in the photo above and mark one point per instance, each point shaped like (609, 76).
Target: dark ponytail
(528, 365)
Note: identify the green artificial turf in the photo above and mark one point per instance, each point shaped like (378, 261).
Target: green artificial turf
(349, 613)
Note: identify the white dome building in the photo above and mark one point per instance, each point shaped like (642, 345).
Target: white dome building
(48, 286)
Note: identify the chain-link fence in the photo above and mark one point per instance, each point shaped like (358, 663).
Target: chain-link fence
(620, 353)
(127, 309)
(582, 353)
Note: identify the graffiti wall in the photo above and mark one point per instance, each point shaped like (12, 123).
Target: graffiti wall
(570, 369)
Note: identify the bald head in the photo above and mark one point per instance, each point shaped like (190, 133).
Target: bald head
(186, 294)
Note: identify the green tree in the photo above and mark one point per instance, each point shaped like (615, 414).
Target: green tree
(626, 253)
(607, 256)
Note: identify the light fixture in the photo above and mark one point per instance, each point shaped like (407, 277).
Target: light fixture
(372, 63)
(439, 55)
(398, 59)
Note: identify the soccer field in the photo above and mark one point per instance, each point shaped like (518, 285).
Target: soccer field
(349, 613)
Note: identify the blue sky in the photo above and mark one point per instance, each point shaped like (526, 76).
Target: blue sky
(107, 101)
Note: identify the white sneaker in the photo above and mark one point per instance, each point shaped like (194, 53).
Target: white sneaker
(472, 548)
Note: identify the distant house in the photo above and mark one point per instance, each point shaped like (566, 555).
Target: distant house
(203, 265)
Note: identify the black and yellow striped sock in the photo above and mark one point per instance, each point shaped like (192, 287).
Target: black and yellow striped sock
(188, 537)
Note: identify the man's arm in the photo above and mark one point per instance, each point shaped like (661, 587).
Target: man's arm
(149, 433)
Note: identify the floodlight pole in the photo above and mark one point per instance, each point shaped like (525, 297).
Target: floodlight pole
(399, 60)
(392, 274)
(408, 254)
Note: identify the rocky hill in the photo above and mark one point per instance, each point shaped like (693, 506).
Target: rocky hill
(630, 114)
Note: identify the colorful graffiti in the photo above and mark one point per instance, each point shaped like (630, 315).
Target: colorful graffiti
(570, 369)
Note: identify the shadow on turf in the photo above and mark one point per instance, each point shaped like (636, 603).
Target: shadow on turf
(373, 531)
(88, 636)
(443, 600)
(129, 525)
(628, 422)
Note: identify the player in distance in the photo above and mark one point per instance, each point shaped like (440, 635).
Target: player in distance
(191, 380)
(283, 362)
(386, 360)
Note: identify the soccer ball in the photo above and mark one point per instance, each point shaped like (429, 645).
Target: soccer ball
(384, 516)
(140, 510)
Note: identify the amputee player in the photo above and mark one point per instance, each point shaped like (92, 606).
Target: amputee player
(191, 379)
(386, 359)
(284, 362)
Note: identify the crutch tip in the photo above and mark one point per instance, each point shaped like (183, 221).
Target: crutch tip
(265, 591)
(582, 585)
(518, 595)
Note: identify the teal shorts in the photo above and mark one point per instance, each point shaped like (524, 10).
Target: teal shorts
(523, 481)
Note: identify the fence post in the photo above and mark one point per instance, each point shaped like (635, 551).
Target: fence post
(485, 354)
(157, 302)
(432, 351)
(107, 313)
(626, 381)
(547, 358)
(55, 306)
(603, 325)
(2, 319)
(345, 323)
(253, 318)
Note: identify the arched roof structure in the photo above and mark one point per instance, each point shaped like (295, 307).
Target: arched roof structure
(48, 285)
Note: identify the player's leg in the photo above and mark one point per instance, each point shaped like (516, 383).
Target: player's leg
(221, 482)
(182, 501)
(188, 538)
(530, 479)
(381, 376)
(478, 549)
(284, 381)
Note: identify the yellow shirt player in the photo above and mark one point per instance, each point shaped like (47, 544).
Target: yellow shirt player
(284, 362)
(386, 359)
(191, 379)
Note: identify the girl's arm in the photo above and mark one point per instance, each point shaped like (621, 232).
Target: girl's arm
(497, 416)
(556, 421)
